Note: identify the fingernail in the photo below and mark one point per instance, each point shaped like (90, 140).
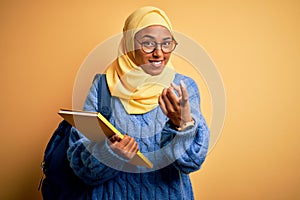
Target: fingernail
(182, 83)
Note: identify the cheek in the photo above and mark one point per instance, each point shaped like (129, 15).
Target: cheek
(140, 58)
(167, 57)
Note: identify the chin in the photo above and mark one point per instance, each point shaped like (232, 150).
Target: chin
(155, 72)
(149, 69)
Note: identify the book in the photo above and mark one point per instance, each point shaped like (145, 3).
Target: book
(97, 128)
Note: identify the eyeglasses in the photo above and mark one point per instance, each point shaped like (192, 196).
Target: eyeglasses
(151, 46)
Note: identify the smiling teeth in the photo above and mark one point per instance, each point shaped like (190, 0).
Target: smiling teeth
(157, 62)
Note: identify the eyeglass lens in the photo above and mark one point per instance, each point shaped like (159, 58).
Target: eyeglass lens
(166, 47)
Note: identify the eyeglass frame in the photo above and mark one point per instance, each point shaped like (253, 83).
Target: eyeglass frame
(156, 45)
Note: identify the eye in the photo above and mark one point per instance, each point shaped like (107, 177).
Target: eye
(167, 43)
(149, 43)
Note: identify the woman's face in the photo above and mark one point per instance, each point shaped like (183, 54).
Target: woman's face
(152, 63)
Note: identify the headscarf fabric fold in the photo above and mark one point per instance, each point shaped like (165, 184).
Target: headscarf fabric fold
(137, 90)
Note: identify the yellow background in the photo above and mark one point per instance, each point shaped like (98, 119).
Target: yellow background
(255, 45)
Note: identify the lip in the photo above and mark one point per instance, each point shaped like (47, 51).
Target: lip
(157, 63)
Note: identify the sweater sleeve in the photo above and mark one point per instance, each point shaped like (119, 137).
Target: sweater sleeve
(187, 149)
(92, 161)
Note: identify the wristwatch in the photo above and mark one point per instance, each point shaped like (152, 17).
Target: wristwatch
(186, 125)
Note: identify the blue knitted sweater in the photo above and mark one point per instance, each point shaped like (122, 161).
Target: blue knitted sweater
(174, 154)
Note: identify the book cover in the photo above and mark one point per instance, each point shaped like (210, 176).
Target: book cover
(97, 128)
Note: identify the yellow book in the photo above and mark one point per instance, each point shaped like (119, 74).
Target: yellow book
(97, 128)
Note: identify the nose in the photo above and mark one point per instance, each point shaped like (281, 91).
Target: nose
(158, 52)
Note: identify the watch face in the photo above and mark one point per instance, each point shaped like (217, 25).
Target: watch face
(186, 125)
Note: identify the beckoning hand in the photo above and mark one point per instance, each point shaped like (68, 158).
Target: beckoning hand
(176, 108)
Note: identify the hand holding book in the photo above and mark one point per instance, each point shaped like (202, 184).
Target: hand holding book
(97, 128)
(126, 147)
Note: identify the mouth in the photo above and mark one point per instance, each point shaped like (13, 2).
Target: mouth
(156, 63)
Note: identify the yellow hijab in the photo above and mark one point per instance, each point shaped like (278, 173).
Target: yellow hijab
(137, 90)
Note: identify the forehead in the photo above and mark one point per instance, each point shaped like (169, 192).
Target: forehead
(155, 32)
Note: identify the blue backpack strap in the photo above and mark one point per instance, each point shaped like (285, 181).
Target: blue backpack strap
(104, 97)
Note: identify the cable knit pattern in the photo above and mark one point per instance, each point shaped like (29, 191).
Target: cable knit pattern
(174, 154)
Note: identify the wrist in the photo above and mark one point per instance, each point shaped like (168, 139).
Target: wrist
(186, 125)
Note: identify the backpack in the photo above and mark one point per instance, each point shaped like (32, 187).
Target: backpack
(59, 181)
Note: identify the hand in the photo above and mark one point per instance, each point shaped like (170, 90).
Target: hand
(177, 109)
(126, 147)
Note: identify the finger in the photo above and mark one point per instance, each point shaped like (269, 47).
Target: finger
(114, 138)
(115, 141)
(186, 111)
(162, 105)
(126, 148)
(167, 102)
(131, 146)
(127, 142)
(129, 150)
(172, 98)
(173, 107)
(177, 89)
(124, 141)
(185, 96)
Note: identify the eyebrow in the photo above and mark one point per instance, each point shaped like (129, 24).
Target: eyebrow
(151, 37)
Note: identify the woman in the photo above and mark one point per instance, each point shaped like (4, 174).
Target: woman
(158, 110)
